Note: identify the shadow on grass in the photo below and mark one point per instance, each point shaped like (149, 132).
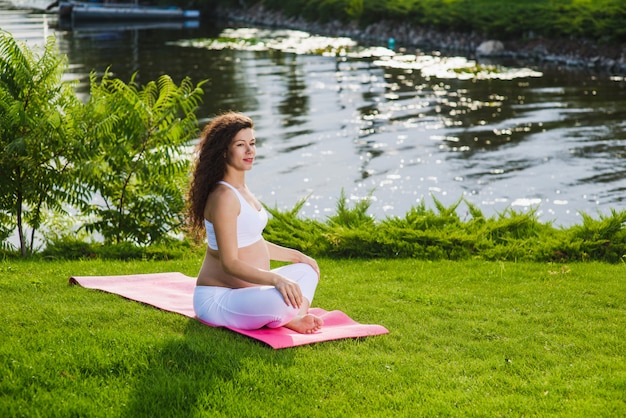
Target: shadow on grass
(200, 371)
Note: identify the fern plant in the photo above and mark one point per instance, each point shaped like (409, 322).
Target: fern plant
(140, 170)
(40, 156)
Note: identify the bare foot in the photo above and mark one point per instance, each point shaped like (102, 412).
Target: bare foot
(305, 324)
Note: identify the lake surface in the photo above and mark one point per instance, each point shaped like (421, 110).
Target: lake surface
(401, 125)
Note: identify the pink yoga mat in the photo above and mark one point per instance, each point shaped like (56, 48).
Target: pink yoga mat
(173, 292)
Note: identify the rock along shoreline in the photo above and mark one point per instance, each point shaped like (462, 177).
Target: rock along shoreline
(575, 54)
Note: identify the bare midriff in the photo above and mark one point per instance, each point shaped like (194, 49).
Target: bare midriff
(212, 274)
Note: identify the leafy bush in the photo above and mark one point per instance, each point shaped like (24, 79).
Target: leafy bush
(41, 155)
(124, 146)
(139, 171)
(441, 234)
(70, 247)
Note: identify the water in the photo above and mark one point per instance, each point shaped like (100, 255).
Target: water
(520, 137)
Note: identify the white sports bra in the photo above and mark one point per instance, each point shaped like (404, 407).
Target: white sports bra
(250, 223)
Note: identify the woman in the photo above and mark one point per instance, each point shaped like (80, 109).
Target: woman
(235, 285)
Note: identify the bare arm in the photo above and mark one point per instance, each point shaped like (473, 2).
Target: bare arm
(280, 253)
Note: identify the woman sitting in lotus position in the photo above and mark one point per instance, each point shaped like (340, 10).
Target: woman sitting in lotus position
(235, 285)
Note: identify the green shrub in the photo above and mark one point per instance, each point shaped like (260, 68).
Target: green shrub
(140, 171)
(69, 247)
(41, 154)
(426, 234)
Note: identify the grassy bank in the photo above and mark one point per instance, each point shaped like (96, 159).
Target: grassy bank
(601, 21)
(467, 338)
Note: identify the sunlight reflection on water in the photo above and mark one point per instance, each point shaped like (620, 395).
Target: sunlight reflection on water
(421, 126)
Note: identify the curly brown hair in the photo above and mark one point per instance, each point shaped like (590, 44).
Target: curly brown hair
(210, 164)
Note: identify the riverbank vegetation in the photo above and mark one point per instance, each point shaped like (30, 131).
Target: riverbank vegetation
(468, 338)
(600, 21)
(440, 233)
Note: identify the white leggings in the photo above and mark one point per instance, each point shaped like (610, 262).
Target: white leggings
(253, 307)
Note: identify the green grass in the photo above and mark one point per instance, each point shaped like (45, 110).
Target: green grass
(467, 338)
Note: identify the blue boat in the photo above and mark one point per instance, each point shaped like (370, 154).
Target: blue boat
(86, 11)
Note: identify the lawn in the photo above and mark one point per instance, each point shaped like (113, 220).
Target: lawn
(467, 338)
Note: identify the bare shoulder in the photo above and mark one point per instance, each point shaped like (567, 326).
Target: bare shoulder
(222, 201)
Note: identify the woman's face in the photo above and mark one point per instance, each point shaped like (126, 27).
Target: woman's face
(242, 150)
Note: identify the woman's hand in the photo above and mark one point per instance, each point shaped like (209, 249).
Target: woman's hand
(311, 262)
(290, 291)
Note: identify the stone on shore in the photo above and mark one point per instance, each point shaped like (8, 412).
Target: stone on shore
(490, 48)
